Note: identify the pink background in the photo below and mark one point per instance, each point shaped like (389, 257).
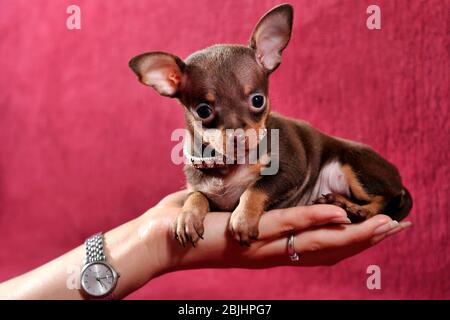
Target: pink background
(84, 147)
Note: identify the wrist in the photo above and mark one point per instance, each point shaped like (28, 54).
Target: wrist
(153, 229)
(126, 250)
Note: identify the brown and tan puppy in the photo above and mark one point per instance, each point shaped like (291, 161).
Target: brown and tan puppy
(225, 87)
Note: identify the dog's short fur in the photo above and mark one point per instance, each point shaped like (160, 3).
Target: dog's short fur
(313, 167)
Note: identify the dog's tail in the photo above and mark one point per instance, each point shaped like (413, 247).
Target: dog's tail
(399, 206)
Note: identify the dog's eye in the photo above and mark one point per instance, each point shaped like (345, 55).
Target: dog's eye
(204, 111)
(257, 102)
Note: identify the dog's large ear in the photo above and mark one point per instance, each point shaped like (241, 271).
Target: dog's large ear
(162, 71)
(271, 35)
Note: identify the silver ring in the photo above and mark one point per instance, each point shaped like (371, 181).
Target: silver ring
(293, 255)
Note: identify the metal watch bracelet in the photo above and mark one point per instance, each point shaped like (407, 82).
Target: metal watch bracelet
(94, 248)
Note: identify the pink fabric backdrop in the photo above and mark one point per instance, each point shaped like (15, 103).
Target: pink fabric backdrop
(84, 147)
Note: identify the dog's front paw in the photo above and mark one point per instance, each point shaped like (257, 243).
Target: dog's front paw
(243, 225)
(188, 227)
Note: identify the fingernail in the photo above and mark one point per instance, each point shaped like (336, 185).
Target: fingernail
(385, 227)
(341, 220)
(401, 226)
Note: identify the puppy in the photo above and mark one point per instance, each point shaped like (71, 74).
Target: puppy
(225, 87)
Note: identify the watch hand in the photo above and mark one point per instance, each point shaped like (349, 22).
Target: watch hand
(101, 283)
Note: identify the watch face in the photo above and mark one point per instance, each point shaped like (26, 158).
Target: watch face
(98, 279)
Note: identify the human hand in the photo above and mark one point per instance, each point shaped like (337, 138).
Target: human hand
(321, 237)
(144, 248)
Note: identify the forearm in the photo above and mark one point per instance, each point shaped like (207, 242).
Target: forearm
(126, 250)
(145, 248)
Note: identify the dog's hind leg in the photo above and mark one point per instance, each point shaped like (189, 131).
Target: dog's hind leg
(375, 187)
(356, 212)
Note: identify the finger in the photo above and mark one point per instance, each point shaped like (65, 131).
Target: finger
(283, 221)
(318, 248)
(316, 239)
(331, 256)
(332, 237)
(401, 226)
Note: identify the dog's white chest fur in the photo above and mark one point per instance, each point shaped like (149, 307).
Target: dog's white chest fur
(331, 179)
(224, 193)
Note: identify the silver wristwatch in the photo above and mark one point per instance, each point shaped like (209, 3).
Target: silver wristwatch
(98, 278)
